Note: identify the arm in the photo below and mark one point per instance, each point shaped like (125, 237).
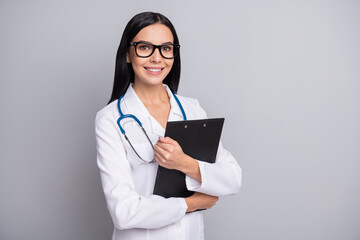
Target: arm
(200, 201)
(168, 154)
(218, 179)
(127, 208)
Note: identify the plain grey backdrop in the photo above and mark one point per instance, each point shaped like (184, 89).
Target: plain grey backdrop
(285, 74)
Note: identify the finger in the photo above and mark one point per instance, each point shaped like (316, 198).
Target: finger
(162, 152)
(159, 159)
(168, 140)
(163, 139)
(165, 146)
(162, 145)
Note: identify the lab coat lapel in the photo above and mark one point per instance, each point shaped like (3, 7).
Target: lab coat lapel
(136, 107)
(174, 115)
(175, 112)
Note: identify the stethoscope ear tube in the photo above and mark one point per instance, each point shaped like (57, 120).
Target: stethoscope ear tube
(180, 106)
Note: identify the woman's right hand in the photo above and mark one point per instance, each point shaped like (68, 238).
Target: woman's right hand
(200, 201)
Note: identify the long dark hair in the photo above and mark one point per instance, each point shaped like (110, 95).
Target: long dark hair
(124, 74)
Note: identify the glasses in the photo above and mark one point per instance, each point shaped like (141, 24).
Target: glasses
(145, 49)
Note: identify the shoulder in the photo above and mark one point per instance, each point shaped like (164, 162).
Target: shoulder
(192, 107)
(107, 131)
(106, 114)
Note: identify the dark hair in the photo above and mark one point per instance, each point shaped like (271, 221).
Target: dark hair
(124, 74)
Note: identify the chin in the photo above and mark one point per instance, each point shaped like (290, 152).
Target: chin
(151, 82)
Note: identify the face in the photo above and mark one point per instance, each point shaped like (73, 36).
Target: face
(151, 70)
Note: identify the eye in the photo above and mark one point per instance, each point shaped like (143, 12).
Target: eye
(144, 47)
(166, 48)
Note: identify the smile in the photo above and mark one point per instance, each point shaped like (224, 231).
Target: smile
(154, 70)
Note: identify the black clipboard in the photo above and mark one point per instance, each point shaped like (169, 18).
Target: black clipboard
(198, 139)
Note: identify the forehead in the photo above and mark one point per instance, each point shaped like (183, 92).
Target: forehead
(155, 33)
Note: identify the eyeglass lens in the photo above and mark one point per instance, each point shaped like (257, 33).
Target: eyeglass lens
(145, 50)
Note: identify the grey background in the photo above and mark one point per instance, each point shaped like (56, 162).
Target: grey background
(285, 74)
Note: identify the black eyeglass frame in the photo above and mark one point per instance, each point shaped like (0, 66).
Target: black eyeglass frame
(176, 46)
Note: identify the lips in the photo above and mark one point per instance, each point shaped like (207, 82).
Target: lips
(154, 70)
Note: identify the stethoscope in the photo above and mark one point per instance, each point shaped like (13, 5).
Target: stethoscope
(123, 116)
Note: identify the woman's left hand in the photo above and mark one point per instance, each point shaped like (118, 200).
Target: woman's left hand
(169, 154)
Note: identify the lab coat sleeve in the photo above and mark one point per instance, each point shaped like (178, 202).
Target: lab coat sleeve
(127, 208)
(220, 178)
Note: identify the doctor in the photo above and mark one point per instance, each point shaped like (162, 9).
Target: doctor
(146, 77)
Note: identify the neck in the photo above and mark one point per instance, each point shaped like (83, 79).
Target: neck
(151, 94)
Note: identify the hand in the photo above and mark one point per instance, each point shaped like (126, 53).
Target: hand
(200, 201)
(169, 154)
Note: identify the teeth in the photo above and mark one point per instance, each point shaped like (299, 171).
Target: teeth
(154, 69)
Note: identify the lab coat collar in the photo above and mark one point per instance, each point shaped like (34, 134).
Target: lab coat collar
(175, 111)
(136, 107)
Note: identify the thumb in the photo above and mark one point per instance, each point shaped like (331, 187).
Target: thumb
(167, 140)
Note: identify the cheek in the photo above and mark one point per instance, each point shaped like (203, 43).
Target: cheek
(170, 63)
(134, 60)
(137, 62)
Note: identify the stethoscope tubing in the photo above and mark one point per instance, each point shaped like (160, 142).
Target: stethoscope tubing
(123, 116)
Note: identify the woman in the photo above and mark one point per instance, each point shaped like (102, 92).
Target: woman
(146, 76)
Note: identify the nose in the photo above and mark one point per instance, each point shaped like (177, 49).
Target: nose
(156, 56)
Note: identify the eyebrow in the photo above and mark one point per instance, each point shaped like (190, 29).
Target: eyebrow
(155, 44)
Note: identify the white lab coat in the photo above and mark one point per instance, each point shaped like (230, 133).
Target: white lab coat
(128, 183)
